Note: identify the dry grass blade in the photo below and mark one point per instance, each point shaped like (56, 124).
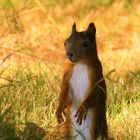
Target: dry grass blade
(2, 71)
(5, 58)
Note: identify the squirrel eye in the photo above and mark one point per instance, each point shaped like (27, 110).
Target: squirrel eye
(85, 44)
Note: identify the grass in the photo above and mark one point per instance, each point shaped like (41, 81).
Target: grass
(28, 103)
(123, 107)
(29, 97)
(32, 56)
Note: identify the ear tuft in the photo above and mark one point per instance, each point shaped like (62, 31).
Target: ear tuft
(73, 28)
(91, 28)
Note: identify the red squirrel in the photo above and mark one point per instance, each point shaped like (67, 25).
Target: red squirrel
(82, 100)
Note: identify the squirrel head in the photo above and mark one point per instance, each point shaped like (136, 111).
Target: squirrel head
(81, 46)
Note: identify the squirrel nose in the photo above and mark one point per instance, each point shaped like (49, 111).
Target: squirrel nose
(70, 55)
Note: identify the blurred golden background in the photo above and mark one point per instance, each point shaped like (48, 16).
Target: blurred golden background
(38, 28)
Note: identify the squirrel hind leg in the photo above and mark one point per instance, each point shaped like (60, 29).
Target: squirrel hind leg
(102, 130)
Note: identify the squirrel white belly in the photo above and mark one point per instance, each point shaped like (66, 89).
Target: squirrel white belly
(79, 82)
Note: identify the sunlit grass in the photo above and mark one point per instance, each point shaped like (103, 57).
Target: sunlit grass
(29, 96)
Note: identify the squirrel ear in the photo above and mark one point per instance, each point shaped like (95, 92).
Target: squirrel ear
(73, 28)
(91, 28)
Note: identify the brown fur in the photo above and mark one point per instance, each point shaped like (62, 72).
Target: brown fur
(81, 48)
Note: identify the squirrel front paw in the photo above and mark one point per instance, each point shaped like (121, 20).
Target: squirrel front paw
(81, 114)
(60, 113)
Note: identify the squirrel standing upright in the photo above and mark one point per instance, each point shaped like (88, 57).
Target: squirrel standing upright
(82, 99)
